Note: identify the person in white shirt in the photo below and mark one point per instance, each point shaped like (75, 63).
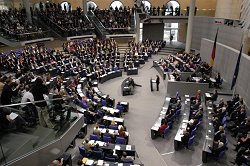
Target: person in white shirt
(27, 96)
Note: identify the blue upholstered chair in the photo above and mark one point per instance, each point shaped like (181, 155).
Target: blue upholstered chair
(120, 140)
(94, 137)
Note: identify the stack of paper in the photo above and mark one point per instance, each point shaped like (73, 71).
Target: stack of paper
(100, 162)
(13, 116)
(89, 162)
(128, 147)
(117, 147)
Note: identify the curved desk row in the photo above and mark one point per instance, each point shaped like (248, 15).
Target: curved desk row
(90, 162)
(157, 124)
(183, 125)
(209, 139)
(110, 75)
(129, 149)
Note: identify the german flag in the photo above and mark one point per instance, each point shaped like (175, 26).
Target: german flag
(214, 50)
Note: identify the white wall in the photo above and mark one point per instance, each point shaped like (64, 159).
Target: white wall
(229, 9)
(204, 27)
(225, 62)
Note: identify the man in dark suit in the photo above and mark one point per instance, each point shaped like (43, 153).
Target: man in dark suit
(157, 82)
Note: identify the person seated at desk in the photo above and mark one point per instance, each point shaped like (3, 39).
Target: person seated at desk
(198, 115)
(185, 137)
(220, 104)
(242, 156)
(122, 132)
(113, 122)
(125, 158)
(132, 83)
(217, 148)
(110, 154)
(242, 129)
(163, 126)
(109, 101)
(87, 146)
(97, 148)
(190, 79)
(243, 142)
(196, 105)
(107, 134)
(217, 135)
(214, 96)
(57, 162)
(96, 131)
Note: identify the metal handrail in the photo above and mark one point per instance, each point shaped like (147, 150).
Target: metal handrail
(39, 101)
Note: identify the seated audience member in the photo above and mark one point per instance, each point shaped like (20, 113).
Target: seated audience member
(109, 101)
(191, 125)
(57, 162)
(217, 135)
(242, 157)
(242, 129)
(185, 137)
(126, 158)
(217, 148)
(87, 146)
(122, 132)
(243, 142)
(97, 148)
(107, 134)
(110, 154)
(214, 96)
(163, 126)
(6, 122)
(27, 96)
(97, 131)
(132, 82)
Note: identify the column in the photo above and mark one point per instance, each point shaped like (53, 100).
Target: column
(137, 25)
(190, 26)
(26, 5)
(85, 10)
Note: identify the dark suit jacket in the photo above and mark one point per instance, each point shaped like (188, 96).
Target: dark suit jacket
(157, 80)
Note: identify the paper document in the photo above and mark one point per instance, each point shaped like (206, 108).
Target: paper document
(13, 116)
(128, 147)
(89, 162)
(117, 147)
(100, 162)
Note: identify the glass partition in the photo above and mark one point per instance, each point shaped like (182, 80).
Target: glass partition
(24, 36)
(26, 127)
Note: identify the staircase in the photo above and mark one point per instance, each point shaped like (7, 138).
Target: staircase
(100, 29)
(122, 47)
(168, 49)
(42, 24)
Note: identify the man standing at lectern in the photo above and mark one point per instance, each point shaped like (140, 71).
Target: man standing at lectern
(157, 82)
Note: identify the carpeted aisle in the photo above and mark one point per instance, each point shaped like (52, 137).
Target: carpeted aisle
(144, 108)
